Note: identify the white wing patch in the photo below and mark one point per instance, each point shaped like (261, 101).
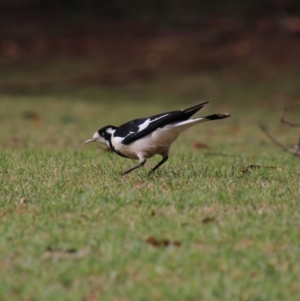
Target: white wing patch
(146, 123)
(120, 139)
(130, 133)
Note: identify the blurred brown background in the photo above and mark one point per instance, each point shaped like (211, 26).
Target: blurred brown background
(119, 41)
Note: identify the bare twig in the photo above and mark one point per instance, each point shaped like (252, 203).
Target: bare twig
(285, 113)
(264, 129)
(295, 151)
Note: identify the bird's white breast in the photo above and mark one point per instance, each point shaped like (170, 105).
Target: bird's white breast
(157, 142)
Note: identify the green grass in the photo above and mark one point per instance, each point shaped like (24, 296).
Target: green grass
(82, 232)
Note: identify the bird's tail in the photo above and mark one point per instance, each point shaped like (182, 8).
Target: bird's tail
(217, 116)
(184, 125)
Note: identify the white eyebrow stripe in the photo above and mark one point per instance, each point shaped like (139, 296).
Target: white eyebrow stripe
(146, 123)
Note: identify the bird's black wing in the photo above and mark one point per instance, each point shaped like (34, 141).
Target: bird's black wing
(138, 128)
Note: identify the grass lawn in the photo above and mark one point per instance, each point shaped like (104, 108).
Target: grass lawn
(198, 229)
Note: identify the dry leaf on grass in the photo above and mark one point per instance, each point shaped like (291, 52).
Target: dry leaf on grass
(233, 130)
(51, 253)
(90, 298)
(208, 219)
(32, 115)
(23, 201)
(199, 144)
(161, 242)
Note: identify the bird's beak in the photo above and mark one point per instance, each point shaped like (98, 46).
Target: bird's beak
(89, 140)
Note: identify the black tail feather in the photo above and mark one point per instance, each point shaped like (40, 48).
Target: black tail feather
(217, 116)
(189, 112)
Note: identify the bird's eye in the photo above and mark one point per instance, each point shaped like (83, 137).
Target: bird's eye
(102, 134)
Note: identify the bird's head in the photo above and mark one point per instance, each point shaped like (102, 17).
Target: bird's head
(103, 135)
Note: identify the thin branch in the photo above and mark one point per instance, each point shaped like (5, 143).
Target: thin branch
(286, 111)
(264, 129)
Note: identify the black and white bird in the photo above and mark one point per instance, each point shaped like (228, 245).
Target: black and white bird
(143, 138)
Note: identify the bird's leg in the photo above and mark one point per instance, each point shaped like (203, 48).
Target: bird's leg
(164, 159)
(142, 162)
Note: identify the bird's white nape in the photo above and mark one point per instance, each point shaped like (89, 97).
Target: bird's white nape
(110, 130)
